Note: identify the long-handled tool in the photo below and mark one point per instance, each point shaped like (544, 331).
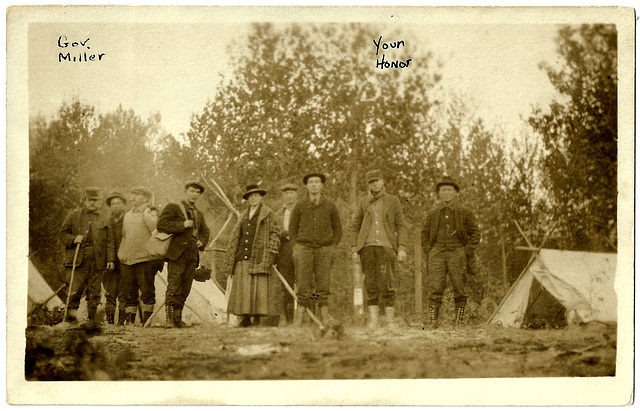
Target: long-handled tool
(157, 310)
(73, 271)
(323, 329)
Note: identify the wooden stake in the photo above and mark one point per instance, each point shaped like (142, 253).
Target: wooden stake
(418, 275)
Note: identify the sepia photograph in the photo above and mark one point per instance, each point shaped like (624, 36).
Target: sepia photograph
(297, 205)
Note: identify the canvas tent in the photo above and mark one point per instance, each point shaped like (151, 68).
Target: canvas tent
(572, 285)
(206, 302)
(39, 291)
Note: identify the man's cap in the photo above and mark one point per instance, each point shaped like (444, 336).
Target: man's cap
(289, 186)
(141, 190)
(115, 194)
(92, 192)
(373, 175)
(253, 188)
(194, 184)
(447, 181)
(323, 178)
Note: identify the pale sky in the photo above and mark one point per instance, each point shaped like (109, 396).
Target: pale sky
(173, 68)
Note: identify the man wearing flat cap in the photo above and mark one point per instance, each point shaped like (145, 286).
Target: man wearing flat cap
(379, 238)
(86, 230)
(137, 265)
(113, 290)
(285, 262)
(449, 238)
(190, 236)
(315, 230)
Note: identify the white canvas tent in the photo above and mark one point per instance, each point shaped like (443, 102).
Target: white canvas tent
(39, 291)
(206, 302)
(581, 282)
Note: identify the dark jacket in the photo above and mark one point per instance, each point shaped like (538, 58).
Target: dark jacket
(315, 225)
(466, 227)
(77, 223)
(394, 222)
(171, 221)
(266, 241)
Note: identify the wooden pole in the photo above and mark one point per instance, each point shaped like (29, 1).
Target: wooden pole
(418, 275)
(358, 293)
(73, 271)
(504, 266)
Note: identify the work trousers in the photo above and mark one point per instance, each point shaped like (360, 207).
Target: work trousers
(379, 268)
(87, 279)
(139, 276)
(180, 276)
(313, 274)
(113, 290)
(454, 263)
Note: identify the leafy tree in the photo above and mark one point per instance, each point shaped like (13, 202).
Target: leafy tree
(580, 136)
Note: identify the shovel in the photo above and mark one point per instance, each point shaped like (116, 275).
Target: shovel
(337, 329)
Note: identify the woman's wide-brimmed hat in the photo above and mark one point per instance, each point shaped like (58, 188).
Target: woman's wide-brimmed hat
(253, 188)
(113, 195)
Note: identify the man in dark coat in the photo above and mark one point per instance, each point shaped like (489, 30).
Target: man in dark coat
(379, 238)
(190, 235)
(111, 279)
(449, 238)
(285, 262)
(86, 231)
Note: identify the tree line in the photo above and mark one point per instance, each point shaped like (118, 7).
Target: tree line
(294, 104)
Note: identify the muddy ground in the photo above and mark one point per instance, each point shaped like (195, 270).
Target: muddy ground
(223, 352)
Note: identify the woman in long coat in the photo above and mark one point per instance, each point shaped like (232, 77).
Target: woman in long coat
(254, 244)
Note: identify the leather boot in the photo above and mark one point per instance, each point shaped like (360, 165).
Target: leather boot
(374, 311)
(131, 318)
(91, 316)
(459, 316)
(110, 314)
(177, 318)
(390, 314)
(147, 311)
(298, 315)
(432, 319)
(169, 313)
(121, 317)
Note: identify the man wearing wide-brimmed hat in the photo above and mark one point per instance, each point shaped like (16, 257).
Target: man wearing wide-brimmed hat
(315, 229)
(85, 237)
(449, 238)
(190, 236)
(113, 290)
(137, 265)
(379, 238)
(285, 262)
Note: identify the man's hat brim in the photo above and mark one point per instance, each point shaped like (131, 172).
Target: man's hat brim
(306, 178)
(194, 184)
(255, 190)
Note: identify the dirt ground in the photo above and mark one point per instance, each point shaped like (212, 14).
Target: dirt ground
(223, 352)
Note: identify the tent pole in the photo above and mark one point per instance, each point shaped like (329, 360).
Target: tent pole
(533, 256)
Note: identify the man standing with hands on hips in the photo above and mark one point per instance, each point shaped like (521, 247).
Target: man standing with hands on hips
(315, 230)
(449, 238)
(379, 238)
(190, 236)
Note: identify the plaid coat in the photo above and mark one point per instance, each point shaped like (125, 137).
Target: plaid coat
(266, 241)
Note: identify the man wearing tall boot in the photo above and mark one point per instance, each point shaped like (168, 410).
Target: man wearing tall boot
(85, 236)
(137, 265)
(285, 262)
(379, 238)
(190, 235)
(316, 230)
(113, 289)
(449, 238)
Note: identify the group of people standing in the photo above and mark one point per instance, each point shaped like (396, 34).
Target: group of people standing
(269, 254)
(110, 250)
